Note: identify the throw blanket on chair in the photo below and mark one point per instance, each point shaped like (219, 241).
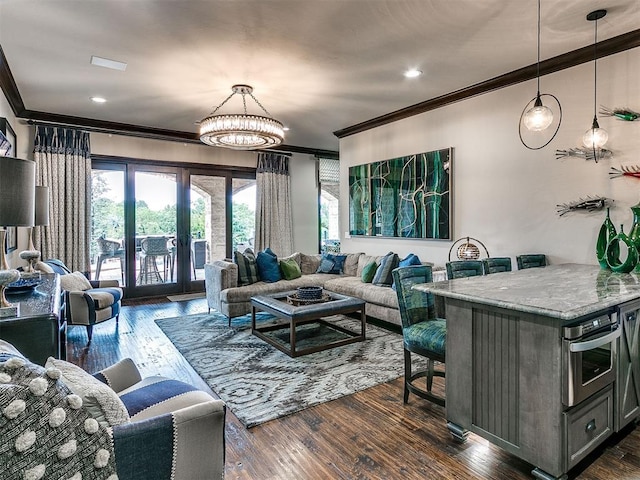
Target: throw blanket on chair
(44, 430)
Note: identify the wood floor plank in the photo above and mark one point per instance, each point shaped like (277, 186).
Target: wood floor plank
(369, 435)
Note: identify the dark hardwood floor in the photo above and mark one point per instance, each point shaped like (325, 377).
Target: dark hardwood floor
(368, 435)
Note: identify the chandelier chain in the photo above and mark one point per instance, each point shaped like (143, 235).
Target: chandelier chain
(223, 102)
(595, 70)
(259, 104)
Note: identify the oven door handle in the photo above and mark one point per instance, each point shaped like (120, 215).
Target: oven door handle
(595, 343)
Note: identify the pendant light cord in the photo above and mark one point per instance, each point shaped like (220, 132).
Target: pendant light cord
(595, 70)
(538, 71)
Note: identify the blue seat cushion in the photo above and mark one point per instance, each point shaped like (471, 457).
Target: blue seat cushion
(429, 335)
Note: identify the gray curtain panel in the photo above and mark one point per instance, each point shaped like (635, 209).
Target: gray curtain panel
(63, 161)
(273, 209)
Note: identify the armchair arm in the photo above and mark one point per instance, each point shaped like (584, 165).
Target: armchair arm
(104, 283)
(218, 276)
(120, 375)
(188, 444)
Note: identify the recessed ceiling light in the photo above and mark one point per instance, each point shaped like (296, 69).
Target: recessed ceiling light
(412, 73)
(98, 99)
(286, 129)
(106, 63)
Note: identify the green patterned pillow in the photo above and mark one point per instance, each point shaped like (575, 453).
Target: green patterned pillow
(369, 271)
(247, 267)
(290, 269)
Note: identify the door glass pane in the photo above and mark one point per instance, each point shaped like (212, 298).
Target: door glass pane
(329, 211)
(155, 235)
(208, 222)
(244, 213)
(107, 225)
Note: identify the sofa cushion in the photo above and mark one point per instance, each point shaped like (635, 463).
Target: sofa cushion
(247, 267)
(105, 297)
(244, 294)
(74, 282)
(351, 264)
(383, 273)
(290, 269)
(268, 267)
(309, 263)
(354, 287)
(369, 271)
(101, 402)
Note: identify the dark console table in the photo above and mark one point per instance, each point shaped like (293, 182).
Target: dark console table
(39, 331)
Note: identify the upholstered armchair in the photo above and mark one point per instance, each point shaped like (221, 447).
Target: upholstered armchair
(496, 264)
(422, 333)
(464, 268)
(112, 423)
(85, 302)
(532, 260)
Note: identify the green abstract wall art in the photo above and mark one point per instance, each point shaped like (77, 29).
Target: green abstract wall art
(406, 197)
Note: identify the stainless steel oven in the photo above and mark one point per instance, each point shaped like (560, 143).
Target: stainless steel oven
(589, 357)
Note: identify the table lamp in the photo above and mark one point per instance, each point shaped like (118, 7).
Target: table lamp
(31, 255)
(17, 198)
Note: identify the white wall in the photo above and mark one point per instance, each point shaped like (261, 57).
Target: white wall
(504, 194)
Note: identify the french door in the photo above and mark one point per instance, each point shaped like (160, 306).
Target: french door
(160, 224)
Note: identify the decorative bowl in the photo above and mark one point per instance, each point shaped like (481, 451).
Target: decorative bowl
(309, 293)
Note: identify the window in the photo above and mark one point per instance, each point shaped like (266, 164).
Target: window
(329, 180)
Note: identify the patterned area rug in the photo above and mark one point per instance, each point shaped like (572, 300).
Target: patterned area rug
(259, 383)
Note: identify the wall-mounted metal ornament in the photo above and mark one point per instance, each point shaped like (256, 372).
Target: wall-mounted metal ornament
(585, 153)
(588, 204)
(625, 114)
(625, 171)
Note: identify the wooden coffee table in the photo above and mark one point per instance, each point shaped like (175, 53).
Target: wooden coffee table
(294, 316)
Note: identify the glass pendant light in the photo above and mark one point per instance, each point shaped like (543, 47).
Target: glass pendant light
(595, 138)
(538, 117)
(540, 123)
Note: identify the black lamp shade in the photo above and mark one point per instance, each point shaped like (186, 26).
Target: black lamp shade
(42, 206)
(17, 192)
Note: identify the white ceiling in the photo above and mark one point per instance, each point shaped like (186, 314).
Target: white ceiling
(317, 66)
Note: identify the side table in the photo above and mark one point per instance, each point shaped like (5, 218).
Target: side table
(39, 331)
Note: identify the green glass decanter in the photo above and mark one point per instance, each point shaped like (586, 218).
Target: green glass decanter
(607, 232)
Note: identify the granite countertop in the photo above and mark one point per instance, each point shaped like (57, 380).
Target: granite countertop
(566, 291)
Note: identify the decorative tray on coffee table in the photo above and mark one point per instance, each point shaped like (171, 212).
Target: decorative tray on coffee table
(308, 296)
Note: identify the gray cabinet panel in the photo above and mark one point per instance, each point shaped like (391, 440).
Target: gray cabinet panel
(628, 381)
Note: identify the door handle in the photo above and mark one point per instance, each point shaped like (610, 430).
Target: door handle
(595, 343)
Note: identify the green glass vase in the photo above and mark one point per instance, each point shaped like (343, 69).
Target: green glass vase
(634, 234)
(613, 253)
(607, 232)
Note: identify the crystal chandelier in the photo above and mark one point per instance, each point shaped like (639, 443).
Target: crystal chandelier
(241, 131)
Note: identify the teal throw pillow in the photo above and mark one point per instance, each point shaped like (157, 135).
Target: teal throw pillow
(411, 259)
(270, 252)
(369, 271)
(331, 263)
(247, 267)
(383, 275)
(290, 269)
(268, 267)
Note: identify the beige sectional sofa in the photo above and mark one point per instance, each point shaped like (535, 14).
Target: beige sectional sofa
(224, 294)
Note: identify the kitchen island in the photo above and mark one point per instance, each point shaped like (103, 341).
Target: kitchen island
(518, 345)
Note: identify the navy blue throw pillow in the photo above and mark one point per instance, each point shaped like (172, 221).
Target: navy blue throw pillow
(268, 267)
(331, 263)
(411, 259)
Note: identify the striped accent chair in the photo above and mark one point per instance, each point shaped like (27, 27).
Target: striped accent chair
(496, 264)
(174, 430)
(422, 332)
(86, 302)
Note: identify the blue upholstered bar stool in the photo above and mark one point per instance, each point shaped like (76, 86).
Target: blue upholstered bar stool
(496, 264)
(531, 260)
(464, 268)
(422, 333)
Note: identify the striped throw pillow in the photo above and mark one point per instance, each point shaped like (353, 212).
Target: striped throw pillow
(383, 275)
(247, 267)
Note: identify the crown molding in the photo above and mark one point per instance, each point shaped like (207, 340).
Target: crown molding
(582, 55)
